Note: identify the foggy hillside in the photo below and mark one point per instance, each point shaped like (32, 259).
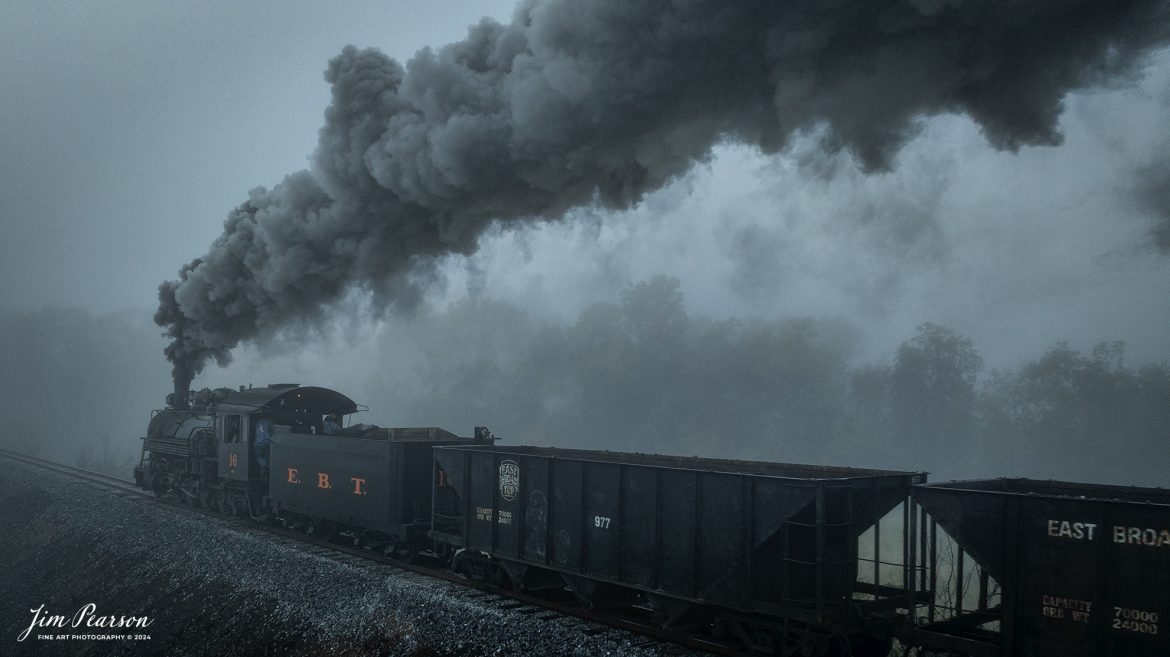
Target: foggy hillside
(72, 381)
(639, 372)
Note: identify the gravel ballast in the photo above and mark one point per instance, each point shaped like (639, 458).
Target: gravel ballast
(209, 587)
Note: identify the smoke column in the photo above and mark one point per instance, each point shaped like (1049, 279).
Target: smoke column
(599, 102)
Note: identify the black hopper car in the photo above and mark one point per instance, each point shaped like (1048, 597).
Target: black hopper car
(776, 558)
(1037, 568)
(764, 552)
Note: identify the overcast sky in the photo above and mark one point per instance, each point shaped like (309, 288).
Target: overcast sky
(130, 129)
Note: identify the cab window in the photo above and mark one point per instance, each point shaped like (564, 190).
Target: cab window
(231, 429)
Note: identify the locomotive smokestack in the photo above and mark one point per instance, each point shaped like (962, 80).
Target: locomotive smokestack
(602, 102)
(182, 391)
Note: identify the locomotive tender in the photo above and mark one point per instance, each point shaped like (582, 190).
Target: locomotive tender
(785, 559)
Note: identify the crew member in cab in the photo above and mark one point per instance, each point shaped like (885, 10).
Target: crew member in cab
(332, 424)
(263, 438)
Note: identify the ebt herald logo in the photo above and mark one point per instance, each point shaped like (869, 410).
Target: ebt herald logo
(509, 480)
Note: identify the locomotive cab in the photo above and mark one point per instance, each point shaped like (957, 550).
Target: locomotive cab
(214, 449)
(246, 421)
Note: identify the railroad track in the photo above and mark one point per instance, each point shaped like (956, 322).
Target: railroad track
(631, 624)
(105, 480)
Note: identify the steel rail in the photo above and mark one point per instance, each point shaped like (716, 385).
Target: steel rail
(91, 476)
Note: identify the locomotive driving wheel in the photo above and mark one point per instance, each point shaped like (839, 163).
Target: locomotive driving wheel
(187, 493)
(863, 645)
(219, 502)
(159, 485)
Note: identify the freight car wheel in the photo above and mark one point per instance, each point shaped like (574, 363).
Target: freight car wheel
(862, 645)
(404, 552)
(322, 530)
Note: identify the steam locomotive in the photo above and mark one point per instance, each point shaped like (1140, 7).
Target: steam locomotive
(781, 558)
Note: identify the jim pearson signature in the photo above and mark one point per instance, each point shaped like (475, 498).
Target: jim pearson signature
(86, 616)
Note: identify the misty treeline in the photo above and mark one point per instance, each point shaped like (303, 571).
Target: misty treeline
(638, 373)
(77, 387)
(643, 374)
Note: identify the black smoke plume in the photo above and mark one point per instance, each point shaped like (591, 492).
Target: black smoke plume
(599, 102)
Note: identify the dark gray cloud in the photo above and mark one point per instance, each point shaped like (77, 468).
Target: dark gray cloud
(581, 103)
